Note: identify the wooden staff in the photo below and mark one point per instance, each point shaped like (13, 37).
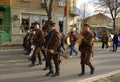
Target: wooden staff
(63, 55)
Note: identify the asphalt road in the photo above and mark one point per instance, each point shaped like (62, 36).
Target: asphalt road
(14, 67)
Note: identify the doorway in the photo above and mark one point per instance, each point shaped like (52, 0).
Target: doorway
(61, 26)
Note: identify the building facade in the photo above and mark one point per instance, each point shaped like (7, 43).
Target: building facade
(16, 16)
(118, 24)
(5, 20)
(99, 22)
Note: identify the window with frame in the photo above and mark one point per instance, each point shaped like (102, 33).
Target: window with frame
(25, 22)
(62, 3)
(44, 18)
(61, 21)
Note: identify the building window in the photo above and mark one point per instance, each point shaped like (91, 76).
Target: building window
(25, 25)
(35, 18)
(61, 22)
(1, 17)
(25, 22)
(62, 3)
(44, 18)
(0, 21)
(28, 19)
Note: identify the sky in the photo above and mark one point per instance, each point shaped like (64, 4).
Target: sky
(91, 8)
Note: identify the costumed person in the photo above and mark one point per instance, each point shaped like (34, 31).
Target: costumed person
(27, 42)
(52, 46)
(86, 49)
(37, 41)
(105, 40)
(32, 46)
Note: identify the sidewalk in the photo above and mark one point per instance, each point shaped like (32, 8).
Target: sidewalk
(18, 45)
(10, 45)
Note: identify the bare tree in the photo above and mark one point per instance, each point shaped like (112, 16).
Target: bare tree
(48, 8)
(112, 7)
(84, 12)
(48, 5)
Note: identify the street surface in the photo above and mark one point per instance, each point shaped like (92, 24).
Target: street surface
(14, 67)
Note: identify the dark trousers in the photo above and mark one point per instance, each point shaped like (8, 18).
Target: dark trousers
(115, 45)
(36, 53)
(86, 55)
(105, 43)
(45, 57)
(55, 58)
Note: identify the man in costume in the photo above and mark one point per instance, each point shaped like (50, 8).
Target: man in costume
(37, 41)
(52, 47)
(86, 49)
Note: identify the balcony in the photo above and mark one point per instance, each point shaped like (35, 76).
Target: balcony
(61, 3)
(74, 11)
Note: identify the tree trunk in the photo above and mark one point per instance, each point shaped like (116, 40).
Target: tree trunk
(114, 25)
(48, 9)
(49, 17)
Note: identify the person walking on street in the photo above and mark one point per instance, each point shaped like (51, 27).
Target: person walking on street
(115, 42)
(27, 41)
(62, 42)
(73, 40)
(37, 41)
(105, 40)
(53, 46)
(47, 37)
(86, 49)
(119, 39)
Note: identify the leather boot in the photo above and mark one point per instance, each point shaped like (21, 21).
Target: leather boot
(92, 69)
(57, 73)
(40, 61)
(49, 73)
(83, 70)
(33, 59)
(50, 70)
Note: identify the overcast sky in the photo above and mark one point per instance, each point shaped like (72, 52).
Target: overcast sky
(90, 7)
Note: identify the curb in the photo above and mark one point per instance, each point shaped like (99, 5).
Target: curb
(102, 77)
(3, 50)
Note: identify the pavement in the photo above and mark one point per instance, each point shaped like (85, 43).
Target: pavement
(10, 45)
(14, 67)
